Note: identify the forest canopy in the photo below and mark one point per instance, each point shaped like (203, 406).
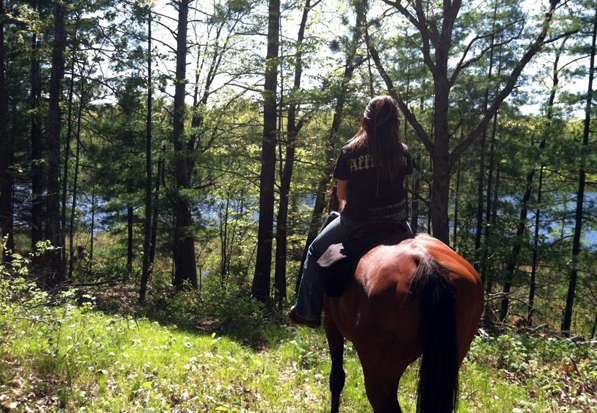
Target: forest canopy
(190, 145)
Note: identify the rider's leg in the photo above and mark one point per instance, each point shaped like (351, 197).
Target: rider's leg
(310, 298)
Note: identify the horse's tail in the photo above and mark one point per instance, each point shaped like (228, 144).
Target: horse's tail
(438, 377)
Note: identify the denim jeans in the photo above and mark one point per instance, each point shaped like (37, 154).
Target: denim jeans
(309, 303)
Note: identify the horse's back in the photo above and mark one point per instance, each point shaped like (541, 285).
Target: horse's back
(379, 309)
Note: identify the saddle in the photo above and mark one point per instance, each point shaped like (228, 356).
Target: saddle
(339, 262)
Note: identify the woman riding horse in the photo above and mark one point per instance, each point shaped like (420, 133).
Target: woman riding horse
(370, 176)
(416, 298)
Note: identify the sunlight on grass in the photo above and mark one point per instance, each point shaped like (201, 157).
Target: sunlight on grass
(89, 361)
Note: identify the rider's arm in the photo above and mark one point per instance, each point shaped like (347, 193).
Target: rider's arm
(341, 186)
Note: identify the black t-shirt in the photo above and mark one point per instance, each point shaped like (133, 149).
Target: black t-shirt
(370, 196)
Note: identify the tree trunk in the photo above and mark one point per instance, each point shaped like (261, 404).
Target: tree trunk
(580, 193)
(156, 202)
(455, 236)
(481, 183)
(148, 171)
(53, 230)
(6, 178)
(440, 40)
(263, 262)
(414, 222)
(69, 132)
(92, 231)
(71, 245)
(293, 129)
(224, 241)
(184, 242)
(37, 170)
(532, 286)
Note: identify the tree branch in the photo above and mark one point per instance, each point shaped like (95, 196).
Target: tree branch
(510, 83)
(410, 117)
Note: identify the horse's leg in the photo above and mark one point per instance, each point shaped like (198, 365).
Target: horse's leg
(337, 375)
(382, 388)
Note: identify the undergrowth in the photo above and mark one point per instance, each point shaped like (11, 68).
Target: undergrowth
(98, 351)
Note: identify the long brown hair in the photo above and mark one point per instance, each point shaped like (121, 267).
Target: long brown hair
(380, 133)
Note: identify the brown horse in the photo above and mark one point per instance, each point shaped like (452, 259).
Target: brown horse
(416, 298)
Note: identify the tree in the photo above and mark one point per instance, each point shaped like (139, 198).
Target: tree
(293, 128)
(149, 171)
(184, 242)
(263, 262)
(436, 47)
(53, 230)
(573, 274)
(6, 180)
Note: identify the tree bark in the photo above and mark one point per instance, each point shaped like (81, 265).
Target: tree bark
(71, 245)
(184, 242)
(148, 171)
(69, 132)
(573, 274)
(92, 235)
(156, 202)
(6, 178)
(53, 231)
(261, 280)
(455, 236)
(130, 213)
(37, 170)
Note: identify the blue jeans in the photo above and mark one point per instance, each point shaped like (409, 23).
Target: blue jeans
(309, 302)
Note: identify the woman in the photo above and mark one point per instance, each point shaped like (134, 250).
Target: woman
(370, 176)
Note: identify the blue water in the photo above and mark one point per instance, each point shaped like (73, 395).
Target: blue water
(549, 228)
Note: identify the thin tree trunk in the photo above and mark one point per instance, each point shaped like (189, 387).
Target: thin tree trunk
(481, 183)
(148, 171)
(293, 129)
(455, 236)
(53, 230)
(37, 172)
(429, 197)
(532, 286)
(69, 132)
(573, 274)
(488, 206)
(224, 241)
(71, 245)
(130, 213)
(414, 222)
(489, 278)
(261, 281)
(6, 178)
(184, 243)
(92, 230)
(154, 225)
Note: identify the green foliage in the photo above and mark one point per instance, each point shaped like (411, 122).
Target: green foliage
(87, 361)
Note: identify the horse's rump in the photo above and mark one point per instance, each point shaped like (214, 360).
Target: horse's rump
(405, 300)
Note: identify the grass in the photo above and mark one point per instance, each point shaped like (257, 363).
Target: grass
(78, 359)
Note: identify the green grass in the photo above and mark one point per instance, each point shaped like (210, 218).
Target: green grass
(78, 359)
